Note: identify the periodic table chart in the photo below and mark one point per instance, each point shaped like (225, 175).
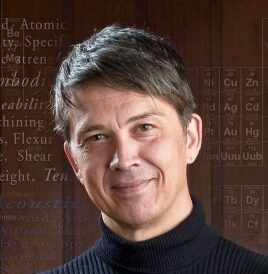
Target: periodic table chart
(234, 106)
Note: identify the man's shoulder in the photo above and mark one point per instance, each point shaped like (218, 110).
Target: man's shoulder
(79, 264)
(242, 257)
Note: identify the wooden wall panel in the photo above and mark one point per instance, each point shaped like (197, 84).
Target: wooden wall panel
(46, 217)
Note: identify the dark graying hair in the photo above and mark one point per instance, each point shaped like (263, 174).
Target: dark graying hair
(127, 58)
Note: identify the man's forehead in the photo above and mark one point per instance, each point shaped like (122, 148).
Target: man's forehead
(99, 117)
(97, 91)
(128, 112)
(98, 96)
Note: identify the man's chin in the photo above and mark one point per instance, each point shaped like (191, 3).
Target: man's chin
(135, 218)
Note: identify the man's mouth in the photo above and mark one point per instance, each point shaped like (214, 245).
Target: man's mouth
(130, 187)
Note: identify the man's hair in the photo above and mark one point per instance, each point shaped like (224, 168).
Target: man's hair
(125, 58)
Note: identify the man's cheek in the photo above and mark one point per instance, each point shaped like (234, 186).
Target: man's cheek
(162, 146)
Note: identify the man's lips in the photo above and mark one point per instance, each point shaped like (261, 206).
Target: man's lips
(126, 187)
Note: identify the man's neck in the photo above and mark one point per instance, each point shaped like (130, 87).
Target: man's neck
(155, 227)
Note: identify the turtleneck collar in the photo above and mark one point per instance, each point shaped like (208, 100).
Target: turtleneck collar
(170, 251)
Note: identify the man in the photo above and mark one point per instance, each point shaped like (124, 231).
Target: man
(125, 109)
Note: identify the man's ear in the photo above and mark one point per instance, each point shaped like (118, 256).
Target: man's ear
(194, 138)
(72, 161)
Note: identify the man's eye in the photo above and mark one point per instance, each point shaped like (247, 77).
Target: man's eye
(145, 127)
(96, 137)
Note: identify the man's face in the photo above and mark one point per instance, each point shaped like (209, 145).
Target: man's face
(130, 152)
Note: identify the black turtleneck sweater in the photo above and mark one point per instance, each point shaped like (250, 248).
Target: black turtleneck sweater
(190, 248)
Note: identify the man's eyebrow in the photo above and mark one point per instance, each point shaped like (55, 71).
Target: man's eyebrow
(132, 119)
(90, 128)
(143, 115)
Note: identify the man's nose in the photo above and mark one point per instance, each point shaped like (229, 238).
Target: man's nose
(125, 155)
